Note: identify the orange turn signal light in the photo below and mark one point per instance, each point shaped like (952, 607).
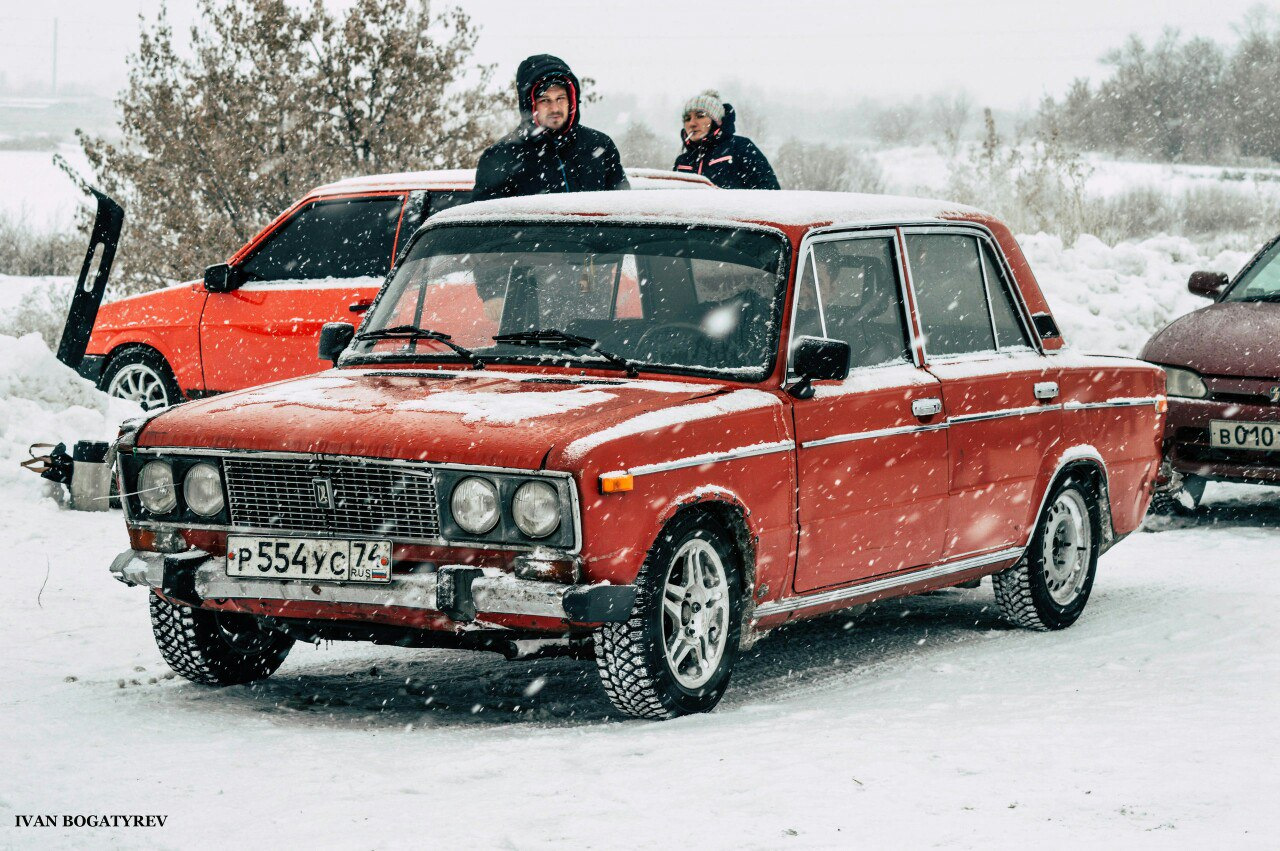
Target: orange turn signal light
(617, 482)
(1162, 405)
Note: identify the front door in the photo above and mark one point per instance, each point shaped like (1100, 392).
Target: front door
(1001, 395)
(872, 449)
(320, 265)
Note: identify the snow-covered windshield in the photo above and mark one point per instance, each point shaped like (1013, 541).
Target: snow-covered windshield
(1262, 280)
(665, 297)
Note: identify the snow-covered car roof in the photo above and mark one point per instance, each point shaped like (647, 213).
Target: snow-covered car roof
(787, 207)
(463, 179)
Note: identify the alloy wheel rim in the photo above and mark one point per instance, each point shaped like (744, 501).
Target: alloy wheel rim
(695, 613)
(1068, 541)
(139, 383)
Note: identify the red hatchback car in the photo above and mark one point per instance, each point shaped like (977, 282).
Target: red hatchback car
(684, 419)
(257, 318)
(1223, 367)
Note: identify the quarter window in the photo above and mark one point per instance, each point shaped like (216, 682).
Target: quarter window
(349, 238)
(947, 273)
(1004, 310)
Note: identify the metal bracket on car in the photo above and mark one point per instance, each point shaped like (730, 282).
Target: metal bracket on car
(179, 581)
(453, 592)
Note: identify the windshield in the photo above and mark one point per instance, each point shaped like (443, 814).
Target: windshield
(1261, 282)
(667, 298)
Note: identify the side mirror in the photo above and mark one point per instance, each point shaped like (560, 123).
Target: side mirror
(221, 278)
(1045, 325)
(818, 359)
(334, 339)
(1207, 284)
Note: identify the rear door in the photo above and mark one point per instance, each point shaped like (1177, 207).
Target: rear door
(872, 449)
(324, 263)
(1001, 394)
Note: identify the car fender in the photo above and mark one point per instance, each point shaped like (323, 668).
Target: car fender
(1052, 470)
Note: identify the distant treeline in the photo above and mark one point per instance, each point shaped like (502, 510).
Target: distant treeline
(1181, 100)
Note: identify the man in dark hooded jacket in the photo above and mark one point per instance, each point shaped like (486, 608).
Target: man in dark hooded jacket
(713, 150)
(550, 151)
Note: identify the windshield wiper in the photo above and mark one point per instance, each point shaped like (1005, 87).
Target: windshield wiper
(1264, 297)
(413, 332)
(563, 340)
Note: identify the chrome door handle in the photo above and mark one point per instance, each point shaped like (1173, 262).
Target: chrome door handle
(926, 407)
(1046, 390)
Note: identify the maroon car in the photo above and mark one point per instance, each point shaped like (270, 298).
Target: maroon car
(1223, 366)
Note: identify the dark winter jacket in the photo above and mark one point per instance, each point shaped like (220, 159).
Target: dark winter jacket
(531, 160)
(726, 159)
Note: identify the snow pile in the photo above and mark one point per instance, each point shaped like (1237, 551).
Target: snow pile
(44, 401)
(1112, 299)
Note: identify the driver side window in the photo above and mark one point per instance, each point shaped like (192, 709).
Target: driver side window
(850, 291)
(341, 239)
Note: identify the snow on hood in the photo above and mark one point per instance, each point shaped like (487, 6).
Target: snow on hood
(1228, 338)
(484, 417)
(43, 400)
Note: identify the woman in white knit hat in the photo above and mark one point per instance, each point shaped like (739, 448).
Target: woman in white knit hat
(714, 150)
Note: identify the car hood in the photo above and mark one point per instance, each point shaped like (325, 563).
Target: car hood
(1229, 338)
(471, 417)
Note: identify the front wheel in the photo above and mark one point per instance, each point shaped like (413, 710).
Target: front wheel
(141, 375)
(675, 654)
(1049, 587)
(215, 648)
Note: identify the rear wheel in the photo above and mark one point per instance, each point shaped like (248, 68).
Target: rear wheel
(675, 654)
(216, 648)
(141, 375)
(1049, 587)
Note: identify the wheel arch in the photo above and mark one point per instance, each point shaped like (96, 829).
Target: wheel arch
(1087, 463)
(725, 509)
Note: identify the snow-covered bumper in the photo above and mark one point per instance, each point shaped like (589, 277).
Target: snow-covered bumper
(460, 592)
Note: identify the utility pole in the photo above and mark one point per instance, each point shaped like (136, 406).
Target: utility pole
(54, 74)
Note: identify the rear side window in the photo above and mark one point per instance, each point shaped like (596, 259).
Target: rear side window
(947, 272)
(1004, 310)
(349, 238)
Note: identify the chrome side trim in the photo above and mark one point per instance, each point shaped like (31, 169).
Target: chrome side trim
(1111, 403)
(871, 435)
(708, 458)
(1006, 412)
(791, 604)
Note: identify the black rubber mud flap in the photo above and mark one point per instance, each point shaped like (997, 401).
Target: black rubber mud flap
(453, 592)
(92, 282)
(600, 603)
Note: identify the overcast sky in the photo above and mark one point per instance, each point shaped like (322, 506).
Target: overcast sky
(1007, 53)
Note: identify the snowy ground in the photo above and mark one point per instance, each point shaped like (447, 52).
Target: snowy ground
(1151, 723)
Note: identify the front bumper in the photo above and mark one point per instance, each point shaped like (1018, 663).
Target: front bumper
(1187, 448)
(460, 592)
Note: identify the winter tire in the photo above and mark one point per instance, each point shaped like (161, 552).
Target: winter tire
(215, 648)
(1048, 588)
(1182, 500)
(675, 654)
(141, 375)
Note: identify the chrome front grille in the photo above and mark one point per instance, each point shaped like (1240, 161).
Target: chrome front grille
(332, 497)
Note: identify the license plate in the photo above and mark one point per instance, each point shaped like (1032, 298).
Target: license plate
(307, 558)
(1226, 434)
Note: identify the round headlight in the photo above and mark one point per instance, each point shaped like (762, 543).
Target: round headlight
(155, 487)
(202, 489)
(536, 508)
(475, 505)
(1184, 382)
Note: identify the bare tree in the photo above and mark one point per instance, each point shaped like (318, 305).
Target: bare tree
(803, 165)
(950, 115)
(274, 100)
(642, 148)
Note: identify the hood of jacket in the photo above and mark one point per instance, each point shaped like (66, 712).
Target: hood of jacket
(537, 69)
(719, 132)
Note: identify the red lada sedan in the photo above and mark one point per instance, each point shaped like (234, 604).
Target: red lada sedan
(686, 418)
(1223, 367)
(257, 318)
